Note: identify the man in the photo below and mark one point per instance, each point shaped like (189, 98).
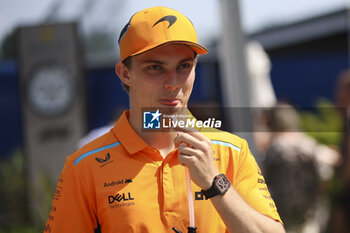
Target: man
(130, 180)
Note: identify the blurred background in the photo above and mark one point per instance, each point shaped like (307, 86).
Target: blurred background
(287, 61)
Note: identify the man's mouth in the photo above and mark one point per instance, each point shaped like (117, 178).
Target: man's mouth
(170, 101)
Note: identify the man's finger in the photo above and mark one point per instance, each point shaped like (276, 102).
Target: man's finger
(187, 160)
(189, 140)
(192, 131)
(188, 151)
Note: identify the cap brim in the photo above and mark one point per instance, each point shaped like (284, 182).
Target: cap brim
(199, 49)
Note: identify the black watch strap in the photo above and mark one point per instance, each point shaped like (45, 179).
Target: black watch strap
(219, 186)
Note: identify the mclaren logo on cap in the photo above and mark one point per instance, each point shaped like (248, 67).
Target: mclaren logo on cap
(170, 18)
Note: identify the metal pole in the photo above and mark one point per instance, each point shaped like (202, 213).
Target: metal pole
(234, 79)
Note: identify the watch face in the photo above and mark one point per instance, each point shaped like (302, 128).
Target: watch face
(222, 183)
(50, 90)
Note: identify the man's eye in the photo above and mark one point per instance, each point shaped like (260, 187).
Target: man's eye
(185, 66)
(154, 67)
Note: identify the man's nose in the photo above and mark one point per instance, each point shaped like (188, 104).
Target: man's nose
(172, 81)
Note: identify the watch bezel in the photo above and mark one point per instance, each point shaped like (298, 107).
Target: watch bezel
(226, 184)
(215, 189)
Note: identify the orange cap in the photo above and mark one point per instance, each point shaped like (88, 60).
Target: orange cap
(156, 26)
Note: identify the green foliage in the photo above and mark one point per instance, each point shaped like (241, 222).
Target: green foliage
(13, 189)
(44, 197)
(325, 125)
(21, 229)
(8, 47)
(14, 193)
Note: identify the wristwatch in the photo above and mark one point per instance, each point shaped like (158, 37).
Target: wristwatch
(219, 187)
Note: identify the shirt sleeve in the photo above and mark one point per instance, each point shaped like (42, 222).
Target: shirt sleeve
(72, 209)
(250, 184)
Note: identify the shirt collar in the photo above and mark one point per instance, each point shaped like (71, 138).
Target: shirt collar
(127, 136)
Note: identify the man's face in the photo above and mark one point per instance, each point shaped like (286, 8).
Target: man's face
(162, 77)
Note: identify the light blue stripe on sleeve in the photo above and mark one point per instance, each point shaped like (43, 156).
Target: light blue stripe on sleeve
(81, 157)
(226, 144)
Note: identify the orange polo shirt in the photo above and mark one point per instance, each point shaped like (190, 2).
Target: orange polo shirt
(117, 183)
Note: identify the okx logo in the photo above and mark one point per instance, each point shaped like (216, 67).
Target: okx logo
(151, 120)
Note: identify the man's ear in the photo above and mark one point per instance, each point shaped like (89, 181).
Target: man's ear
(123, 73)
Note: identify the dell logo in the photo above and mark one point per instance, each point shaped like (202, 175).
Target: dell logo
(119, 198)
